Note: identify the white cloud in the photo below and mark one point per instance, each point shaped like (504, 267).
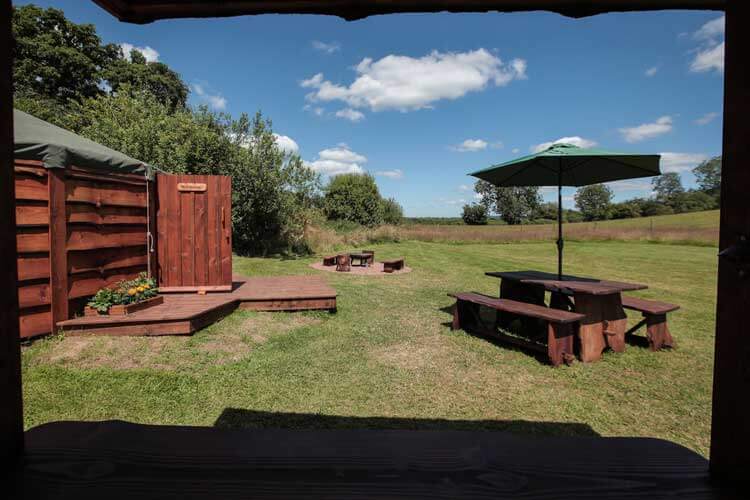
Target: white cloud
(645, 131)
(391, 174)
(286, 144)
(651, 71)
(464, 188)
(707, 118)
(709, 59)
(215, 101)
(338, 160)
(515, 151)
(149, 53)
(574, 140)
(470, 145)
(406, 83)
(710, 55)
(631, 185)
(712, 30)
(350, 114)
(680, 162)
(328, 48)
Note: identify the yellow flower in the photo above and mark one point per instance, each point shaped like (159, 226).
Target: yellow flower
(146, 286)
(132, 291)
(140, 289)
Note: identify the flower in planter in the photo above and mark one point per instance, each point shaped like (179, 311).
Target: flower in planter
(132, 291)
(124, 292)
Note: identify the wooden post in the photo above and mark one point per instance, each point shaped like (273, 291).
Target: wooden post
(11, 414)
(58, 253)
(730, 429)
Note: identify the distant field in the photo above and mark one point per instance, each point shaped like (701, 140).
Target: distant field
(693, 228)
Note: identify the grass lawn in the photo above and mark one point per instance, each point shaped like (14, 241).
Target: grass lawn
(389, 353)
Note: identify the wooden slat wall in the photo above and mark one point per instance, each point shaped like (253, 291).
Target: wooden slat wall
(194, 241)
(77, 231)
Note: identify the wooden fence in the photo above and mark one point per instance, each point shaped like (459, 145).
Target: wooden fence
(78, 230)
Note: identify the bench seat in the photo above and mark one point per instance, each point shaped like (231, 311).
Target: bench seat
(561, 325)
(329, 260)
(393, 265)
(654, 317)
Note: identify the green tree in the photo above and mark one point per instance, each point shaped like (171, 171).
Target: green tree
(594, 201)
(354, 198)
(514, 205)
(475, 214)
(693, 201)
(667, 187)
(272, 193)
(154, 77)
(625, 210)
(708, 176)
(392, 211)
(57, 59)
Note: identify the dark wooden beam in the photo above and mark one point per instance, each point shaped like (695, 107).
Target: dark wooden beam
(730, 429)
(11, 417)
(146, 11)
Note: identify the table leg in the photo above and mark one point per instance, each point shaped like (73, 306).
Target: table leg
(615, 321)
(591, 331)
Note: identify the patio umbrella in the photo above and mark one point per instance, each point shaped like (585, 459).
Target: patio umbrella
(568, 165)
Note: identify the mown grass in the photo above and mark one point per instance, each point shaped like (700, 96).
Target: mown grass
(389, 353)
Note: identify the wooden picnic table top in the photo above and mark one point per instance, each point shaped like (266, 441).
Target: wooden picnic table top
(569, 284)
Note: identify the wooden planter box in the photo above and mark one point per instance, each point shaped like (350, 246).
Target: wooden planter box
(122, 310)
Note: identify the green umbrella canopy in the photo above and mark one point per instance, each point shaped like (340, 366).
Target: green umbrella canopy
(35, 139)
(569, 165)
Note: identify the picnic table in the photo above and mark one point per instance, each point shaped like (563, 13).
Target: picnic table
(365, 259)
(605, 322)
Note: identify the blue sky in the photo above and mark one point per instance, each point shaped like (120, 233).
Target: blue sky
(420, 100)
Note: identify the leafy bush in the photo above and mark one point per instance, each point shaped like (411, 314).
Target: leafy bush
(355, 198)
(475, 214)
(625, 210)
(594, 201)
(124, 292)
(392, 212)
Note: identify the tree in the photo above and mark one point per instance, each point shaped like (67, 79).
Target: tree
(594, 201)
(708, 176)
(547, 211)
(272, 193)
(693, 201)
(354, 198)
(625, 210)
(154, 77)
(667, 187)
(475, 214)
(514, 205)
(55, 58)
(392, 211)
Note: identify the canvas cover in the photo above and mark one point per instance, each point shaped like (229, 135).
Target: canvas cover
(55, 147)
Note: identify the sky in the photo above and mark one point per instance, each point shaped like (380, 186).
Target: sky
(420, 100)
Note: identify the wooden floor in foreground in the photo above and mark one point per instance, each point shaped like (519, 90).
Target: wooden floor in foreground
(184, 314)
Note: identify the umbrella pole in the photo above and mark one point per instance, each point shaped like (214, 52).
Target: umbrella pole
(559, 226)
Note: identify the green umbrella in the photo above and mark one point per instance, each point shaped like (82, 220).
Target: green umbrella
(568, 165)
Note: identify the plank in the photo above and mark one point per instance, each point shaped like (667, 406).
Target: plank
(11, 414)
(648, 306)
(287, 458)
(31, 188)
(28, 214)
(85, 237)
(83, 285)
(32, 239)
(174, 235)
(201, 242)
(99, 194)
(226, 226)
(107, 259)
(33, 266)
(35, 322)
(326, 304)
(35, 294)
(569, 284)
(520, 308)
(91, 214)
(213, 230)
(162, 223)
(187, 236)
(58, 254)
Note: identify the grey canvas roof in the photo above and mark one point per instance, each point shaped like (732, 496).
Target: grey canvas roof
(55, 147)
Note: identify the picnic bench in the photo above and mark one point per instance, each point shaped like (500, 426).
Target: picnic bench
(393, 265)
(364, 259)
(600, 301)
(560, 331)
(654, 317)
(329, 260)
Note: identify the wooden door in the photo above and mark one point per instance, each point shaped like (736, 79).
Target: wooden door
(194, 233)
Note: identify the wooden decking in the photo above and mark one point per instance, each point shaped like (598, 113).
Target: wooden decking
(184, 314)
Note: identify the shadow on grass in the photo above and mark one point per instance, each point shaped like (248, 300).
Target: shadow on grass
(236, 418)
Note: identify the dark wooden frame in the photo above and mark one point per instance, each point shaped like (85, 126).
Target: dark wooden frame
(730, 454)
